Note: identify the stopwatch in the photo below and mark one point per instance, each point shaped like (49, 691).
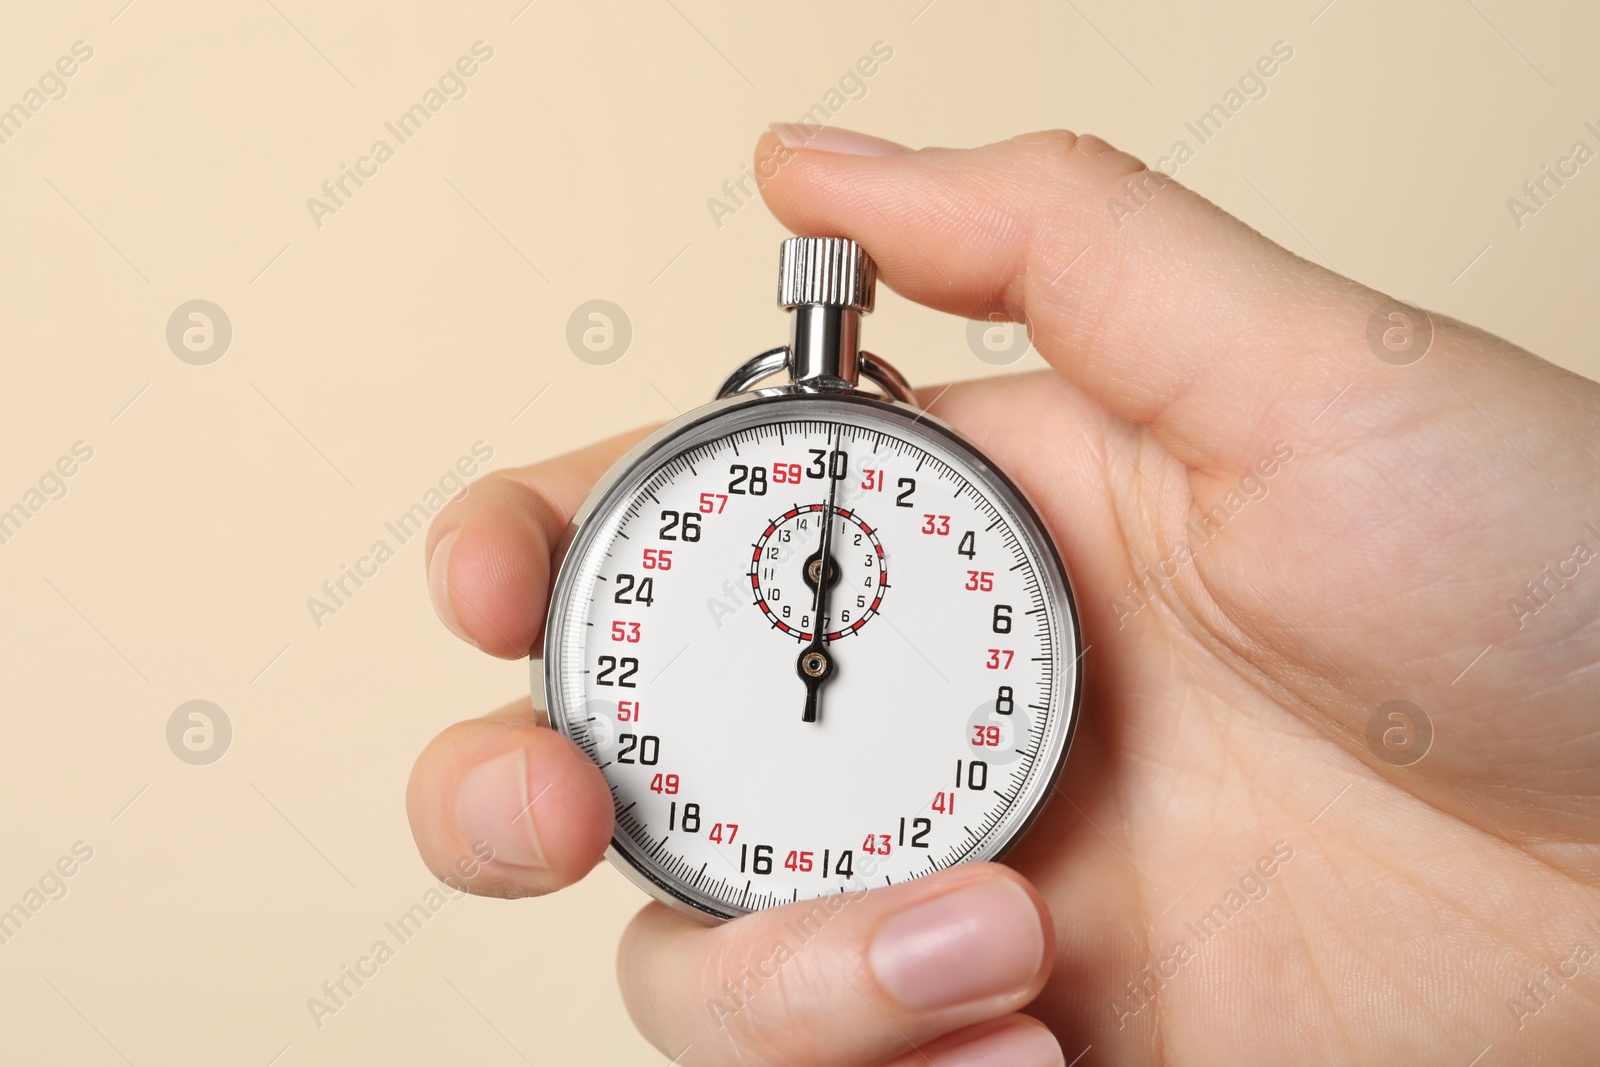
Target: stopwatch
(815, 641)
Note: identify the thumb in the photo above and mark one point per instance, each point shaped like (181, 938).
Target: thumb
(1161, 307)
(849, 979)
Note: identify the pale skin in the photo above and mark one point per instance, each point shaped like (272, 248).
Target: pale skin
(1227, 709)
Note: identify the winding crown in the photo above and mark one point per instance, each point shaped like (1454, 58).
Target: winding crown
(832, 271)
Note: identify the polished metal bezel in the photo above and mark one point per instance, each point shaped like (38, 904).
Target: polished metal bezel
(660, 444)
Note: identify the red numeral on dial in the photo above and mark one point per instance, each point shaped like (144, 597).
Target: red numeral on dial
(876, 845)
(980, 581)
(664, 783)
(786, 473)
(625, 631)
(713, 503)
(984, 737)
(657, 559)
(996, 663)
(798, 861)
(944, 803)
(716, 833)
(936, 524)
(627, 711)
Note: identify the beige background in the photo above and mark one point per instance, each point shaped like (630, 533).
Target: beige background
(372, 352)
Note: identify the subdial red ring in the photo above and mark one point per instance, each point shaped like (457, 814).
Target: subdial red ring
(777, 575)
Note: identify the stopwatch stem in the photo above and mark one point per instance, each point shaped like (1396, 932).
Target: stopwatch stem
(824, 346)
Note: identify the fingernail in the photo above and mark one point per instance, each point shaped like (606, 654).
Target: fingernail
(493, 806)
(1015, 1046)
(439, 585)
(833, 139)
(974, 943)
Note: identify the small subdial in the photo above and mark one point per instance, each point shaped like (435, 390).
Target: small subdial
(786, 567)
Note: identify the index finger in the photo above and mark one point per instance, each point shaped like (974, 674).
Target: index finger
(1163, 309)
(489, 552)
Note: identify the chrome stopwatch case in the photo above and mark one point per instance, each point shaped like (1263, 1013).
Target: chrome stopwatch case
(813, 638)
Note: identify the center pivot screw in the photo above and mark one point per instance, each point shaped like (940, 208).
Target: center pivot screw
(814, 570)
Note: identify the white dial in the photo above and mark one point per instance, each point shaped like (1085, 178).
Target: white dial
(684, 653)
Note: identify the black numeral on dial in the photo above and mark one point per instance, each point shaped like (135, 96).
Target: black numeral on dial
(647, 748)
(609, 666)
(920, 829)
(763, 859)
(740, 476)
(976, 778)
(690, 526)
(691, 818)
(632, 591)
(825, 464)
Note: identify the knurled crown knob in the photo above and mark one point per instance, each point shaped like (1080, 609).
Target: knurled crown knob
(832, 271)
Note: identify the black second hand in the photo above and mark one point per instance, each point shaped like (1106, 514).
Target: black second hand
(815, 665)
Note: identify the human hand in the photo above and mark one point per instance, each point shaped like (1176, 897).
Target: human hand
(1246, 864)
